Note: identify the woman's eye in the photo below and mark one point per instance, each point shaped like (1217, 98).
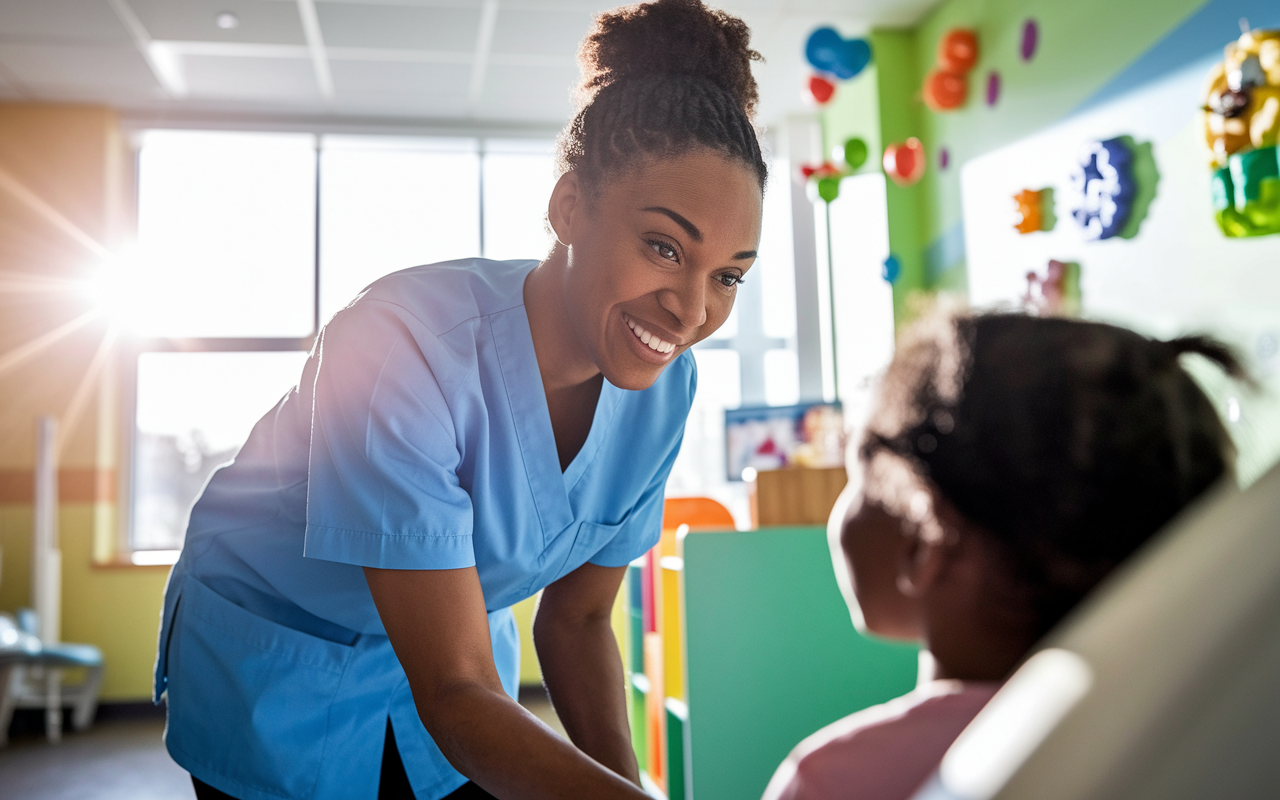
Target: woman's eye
(730, 279)
(664, 250)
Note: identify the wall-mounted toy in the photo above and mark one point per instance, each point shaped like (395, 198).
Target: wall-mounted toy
(1030, 39)
(993, 88)
(853, 152)
(834, 58)
(821, 89)
(1056, 292)
(946, 87)
(1034, 209)
(1242, 129)
(824, 179)
(1103, 188)
(892, 269)
(904, 162)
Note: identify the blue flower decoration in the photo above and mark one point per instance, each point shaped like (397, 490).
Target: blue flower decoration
(1102, 188)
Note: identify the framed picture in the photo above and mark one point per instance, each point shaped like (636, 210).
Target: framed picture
(774, 437)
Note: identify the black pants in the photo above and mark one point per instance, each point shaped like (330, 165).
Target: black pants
(393, 785)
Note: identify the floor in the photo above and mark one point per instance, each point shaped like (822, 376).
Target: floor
(122, 757)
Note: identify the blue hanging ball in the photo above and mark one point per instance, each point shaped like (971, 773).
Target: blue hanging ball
(892, 269)
(853, 58)
(823, 49)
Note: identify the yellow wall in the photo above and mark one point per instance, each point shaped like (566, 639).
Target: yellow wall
(65, 201)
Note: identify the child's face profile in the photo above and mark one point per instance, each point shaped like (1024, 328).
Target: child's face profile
(876, 549)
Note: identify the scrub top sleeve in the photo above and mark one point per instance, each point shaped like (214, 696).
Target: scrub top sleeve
(643, 527)
(383, 488)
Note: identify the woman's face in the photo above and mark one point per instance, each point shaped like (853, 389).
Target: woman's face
(654, 261)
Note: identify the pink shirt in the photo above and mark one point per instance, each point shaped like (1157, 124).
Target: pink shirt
(884, 752)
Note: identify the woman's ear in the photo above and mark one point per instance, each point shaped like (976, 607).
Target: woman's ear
(564, 206)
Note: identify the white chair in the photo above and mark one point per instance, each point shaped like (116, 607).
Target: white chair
(1165, 684)
(31, 677)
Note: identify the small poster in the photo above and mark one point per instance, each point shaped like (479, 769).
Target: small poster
(774, 437)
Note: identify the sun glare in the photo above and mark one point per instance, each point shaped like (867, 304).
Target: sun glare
(115, 288)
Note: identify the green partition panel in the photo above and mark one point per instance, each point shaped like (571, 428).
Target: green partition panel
(677, 719)
(771, 655)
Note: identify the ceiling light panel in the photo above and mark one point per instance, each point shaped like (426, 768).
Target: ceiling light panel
(398, 27)
(261, 21)
(82, 20)
(547, 33)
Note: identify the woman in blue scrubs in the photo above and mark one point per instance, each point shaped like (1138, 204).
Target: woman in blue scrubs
(464, 435)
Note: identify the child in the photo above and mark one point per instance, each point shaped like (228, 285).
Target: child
(1011, 463)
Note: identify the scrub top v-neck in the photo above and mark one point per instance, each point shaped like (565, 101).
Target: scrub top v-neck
(417, 438)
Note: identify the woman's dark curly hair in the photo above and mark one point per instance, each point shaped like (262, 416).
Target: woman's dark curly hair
(1070, 443)
(661, 79)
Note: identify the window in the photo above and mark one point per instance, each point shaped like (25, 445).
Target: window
(226, 235)
(247, 242)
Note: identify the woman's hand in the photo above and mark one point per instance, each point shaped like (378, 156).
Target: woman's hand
(438, 625)
(582, 667)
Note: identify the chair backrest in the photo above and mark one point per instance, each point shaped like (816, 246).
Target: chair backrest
(1163, 684)
(696, 512)
(772, 655)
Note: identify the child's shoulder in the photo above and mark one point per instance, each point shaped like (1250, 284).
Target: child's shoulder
(886, 751)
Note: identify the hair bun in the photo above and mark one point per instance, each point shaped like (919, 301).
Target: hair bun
(669, 37)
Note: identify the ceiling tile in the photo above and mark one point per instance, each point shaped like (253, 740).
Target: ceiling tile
(532, 94)
(87, 20)
(261, 21)
(413, 87)
(551, 33)
(88, 67)
(398, 27)
(288, 80)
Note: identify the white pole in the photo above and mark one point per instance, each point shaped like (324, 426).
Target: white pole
(46, 558)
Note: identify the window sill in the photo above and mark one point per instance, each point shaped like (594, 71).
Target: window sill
(140, 559)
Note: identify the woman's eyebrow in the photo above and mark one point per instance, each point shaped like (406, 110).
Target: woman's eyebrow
(688, 226)
(744, 255)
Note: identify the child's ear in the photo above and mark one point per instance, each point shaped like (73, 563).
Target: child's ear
(927, 546)
(565, 204)
(920, 564)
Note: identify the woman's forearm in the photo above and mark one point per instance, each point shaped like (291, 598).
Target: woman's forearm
(491, 739)
(437, 623)
(583, 673)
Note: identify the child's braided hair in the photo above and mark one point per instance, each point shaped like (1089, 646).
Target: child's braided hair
(1069, 442)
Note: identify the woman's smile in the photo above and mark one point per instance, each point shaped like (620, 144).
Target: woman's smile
(653, 340)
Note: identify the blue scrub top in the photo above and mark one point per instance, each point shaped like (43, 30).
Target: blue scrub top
(417, 438)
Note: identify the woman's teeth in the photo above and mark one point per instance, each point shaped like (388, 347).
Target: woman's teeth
(654, 342)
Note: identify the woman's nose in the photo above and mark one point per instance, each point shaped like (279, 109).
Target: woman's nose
(687, 302)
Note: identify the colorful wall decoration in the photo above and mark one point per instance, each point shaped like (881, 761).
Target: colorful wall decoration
(1241, 127)
(1055, 292)
(946, 87)
(1035, 210)
(1103, 188)
(904, 162)
(834, 58)
(824, 179)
